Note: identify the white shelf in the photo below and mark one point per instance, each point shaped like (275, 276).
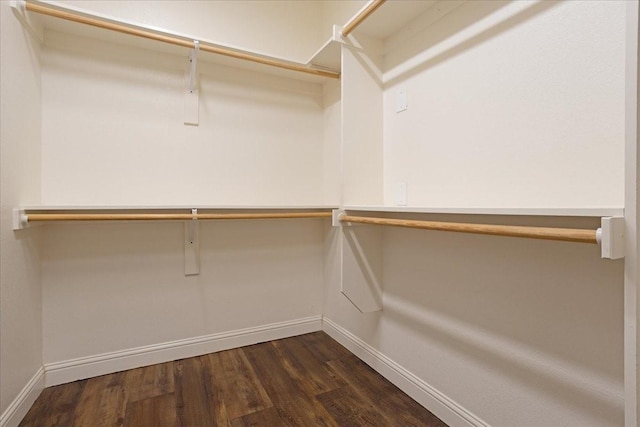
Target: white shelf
(43, 22)
(58, 208)
(390, 19)
(532, 211)
(328, 56)
(393, 16)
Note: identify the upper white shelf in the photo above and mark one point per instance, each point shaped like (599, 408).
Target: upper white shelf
(58, 208)
(329, 54)
(75, 21)
(393, 16)
(531, 211)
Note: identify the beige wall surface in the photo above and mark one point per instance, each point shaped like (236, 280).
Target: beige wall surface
(515, 331)
(514, 104)
(114, 287)
(510, 104)
(20, 291)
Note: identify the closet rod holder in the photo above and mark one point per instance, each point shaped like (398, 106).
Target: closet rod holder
(610, 236)
(25, 219)
(172, 39)
(363, 14)
(562, 234)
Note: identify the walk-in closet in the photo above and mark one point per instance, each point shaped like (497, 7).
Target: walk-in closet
(319, 212)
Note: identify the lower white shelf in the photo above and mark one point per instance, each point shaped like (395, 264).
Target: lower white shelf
(526, 211)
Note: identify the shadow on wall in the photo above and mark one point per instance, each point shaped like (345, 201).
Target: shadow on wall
(99, 61)
(544, 315)
(462, 18)
(102, 63)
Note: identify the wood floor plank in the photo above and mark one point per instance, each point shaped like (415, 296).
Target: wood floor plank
(348, 408)
(267, 418)
(149, 381)
(240, 390)
(157, 411)
(102, 402)
(293, 404)
(314, 376)
(305, 381)
(323, 347)
(113, 407)
(392, 403)
(55, 406)
(194, 398)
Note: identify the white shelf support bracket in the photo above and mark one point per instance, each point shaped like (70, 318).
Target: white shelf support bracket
(19, 8)
(611, 237)
(192, 245)
(193, 65)
(361, 271)
(192, 98)
(20, 219)
(360, 264)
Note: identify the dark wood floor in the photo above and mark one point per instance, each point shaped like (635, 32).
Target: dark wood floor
(309, 380)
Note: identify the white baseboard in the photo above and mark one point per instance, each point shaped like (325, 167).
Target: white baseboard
(106, 363)
(439, 404)
(16, 411)
(442, 406)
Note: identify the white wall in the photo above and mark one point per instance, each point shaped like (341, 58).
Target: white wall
(332, 143)
(362, 128)
(510, 104)
(20, 292)
(113, 134)
(113, 131)
(518, 332)
(114, 287)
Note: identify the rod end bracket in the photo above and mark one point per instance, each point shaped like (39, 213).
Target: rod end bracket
(20, 219)
(611, 237)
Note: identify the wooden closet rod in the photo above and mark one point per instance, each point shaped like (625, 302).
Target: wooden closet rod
(371, 7)
(48, 217)
(172, 39)
(562, 234)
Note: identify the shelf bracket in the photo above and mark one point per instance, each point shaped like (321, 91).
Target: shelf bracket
(611, 237)
(360, 264)
(192, 245)
(361, 275)
(192, 98)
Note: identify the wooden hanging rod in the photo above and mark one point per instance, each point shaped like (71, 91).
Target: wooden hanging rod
(48, 217)
(562, 234)
(371, 7)
(172, 39)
